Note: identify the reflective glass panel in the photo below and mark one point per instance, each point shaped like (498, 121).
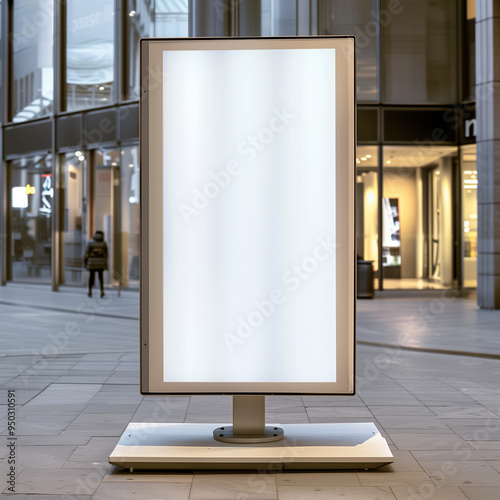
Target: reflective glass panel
(129, 216)
(31, 202)
(74, 219)
(90, 37)
(419, 52)
(140, 18)
(107, 207)
(32, 60)
(367, 204)
(469, 216)
(278, 18)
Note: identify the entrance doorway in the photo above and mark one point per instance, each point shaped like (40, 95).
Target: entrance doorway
(106, 216)
(419, 217)
(116, 212)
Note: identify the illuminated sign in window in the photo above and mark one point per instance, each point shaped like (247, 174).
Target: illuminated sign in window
(19, 197)
(47, 194)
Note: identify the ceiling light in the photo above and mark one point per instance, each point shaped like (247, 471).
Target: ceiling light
(131, 13)
(388, 162)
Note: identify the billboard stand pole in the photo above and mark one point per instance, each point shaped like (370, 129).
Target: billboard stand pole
(249, 424)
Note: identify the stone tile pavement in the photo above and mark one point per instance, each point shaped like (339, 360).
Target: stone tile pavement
(428, 376)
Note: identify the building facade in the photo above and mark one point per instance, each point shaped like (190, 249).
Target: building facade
(70, 128)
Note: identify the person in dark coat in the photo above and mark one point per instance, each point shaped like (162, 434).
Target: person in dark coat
(96, 259)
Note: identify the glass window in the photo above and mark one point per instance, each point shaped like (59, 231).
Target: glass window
(74, 223)
(116, 211)
(129, 215)
(367, 204)
(419, 52)
(90, 37)
(147, 18)
(107, 208)
(469, 216)
(278, 18)
(356, 17)
(171, 18)
(32, 62)
(418, 217)
(140, 15)
(31, 201)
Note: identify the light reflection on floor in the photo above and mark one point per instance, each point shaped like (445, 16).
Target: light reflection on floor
(410, 284)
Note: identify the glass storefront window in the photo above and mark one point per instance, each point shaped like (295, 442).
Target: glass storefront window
(116, 211)
(418, 217)
(31, 201)
(106, 205)
(147, 18)
(469, 216)
(32, 62)
(356, 17)
(74, 219)
(366, 204)
(419, 52)
(278, 18)
(90, 37)
(129, 215)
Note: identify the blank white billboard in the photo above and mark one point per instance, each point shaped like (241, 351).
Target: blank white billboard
(247, 165)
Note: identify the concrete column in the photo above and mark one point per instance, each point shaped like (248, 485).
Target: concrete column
(488, 151)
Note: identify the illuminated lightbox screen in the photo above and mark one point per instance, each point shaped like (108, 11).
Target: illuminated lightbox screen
(249, 245)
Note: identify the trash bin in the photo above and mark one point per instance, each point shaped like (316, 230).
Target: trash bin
(365, 279)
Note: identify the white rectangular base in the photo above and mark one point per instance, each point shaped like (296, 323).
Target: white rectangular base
(305, 446)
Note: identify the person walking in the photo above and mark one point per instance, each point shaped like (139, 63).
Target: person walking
(96, 259)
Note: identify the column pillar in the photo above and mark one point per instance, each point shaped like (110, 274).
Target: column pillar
(488, 151)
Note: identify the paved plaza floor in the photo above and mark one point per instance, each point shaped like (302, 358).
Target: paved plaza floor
(428, 375)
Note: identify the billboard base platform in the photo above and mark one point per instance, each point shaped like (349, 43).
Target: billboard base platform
(179, 446)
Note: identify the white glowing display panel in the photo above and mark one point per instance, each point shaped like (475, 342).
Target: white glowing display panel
(247, 158)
